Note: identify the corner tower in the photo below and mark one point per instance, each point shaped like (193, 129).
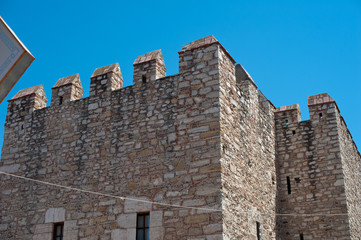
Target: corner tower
(316, 160)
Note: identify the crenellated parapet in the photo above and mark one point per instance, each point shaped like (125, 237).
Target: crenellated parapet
(27, 100)
(201, 55)
(287, 115)
(321, 105)
(198, 58)
(66, 89)
(148, 68)
(105, 79)
(317, 162)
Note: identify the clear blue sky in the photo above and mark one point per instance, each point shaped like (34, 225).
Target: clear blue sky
(292, 49)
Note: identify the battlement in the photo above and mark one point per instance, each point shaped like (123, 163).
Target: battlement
(27, 100)
(198, 56)
(148, 68)
(67, 89)
(319, 105)
(322, 109)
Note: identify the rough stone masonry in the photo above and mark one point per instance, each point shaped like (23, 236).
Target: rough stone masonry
(204, 152)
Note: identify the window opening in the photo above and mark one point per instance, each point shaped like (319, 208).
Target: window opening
(288, 185)
(144, 79)
(293, 132)
(224, 148)
(286, 122)
(60, 100)
(250, 164)
(143, 226)
(301, 236)
(320, 115)
(258, 225)
(58, 231)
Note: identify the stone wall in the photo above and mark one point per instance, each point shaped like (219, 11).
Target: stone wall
(351, 166)
(67, 89)
(311, 200)
(248, 156)
(203, 151)
(158, 141)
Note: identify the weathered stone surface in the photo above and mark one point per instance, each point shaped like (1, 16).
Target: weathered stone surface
(203, 151)
(54, 215)
(127, 220)
(314, 173)
(67, 89)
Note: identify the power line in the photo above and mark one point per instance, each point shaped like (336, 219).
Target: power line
(109, 195)
(159, 203)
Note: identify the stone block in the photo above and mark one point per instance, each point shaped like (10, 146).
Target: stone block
(71, 235)
(123, 234)
(43, 228)
(156, 218)
(54, 215)
(131, 206)
(156, 233)
(43, 236)
(127, 220)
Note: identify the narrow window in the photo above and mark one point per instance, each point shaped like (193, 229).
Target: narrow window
(258, 225)
(143, 226)
(320, 115)
(144, 79)
(60, 100)
(293, 132)
(224, 148)
(301, 236)
(58, 231)
(286, 122)
(288, 185)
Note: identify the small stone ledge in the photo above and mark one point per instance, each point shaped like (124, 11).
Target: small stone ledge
(288, 114)
(292, 107)
(169, 77)
(73, 79)
(155, 55)
(204, 42)
(320, 99)
(67, 89)
(106, 69)
(39, 89)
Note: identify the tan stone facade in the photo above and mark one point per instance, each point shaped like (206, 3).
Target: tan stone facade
(203, 151)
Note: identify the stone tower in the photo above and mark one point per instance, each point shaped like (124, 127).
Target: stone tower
(318, 169)
(201, 154)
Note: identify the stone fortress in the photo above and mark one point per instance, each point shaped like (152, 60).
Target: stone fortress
(203, 152)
